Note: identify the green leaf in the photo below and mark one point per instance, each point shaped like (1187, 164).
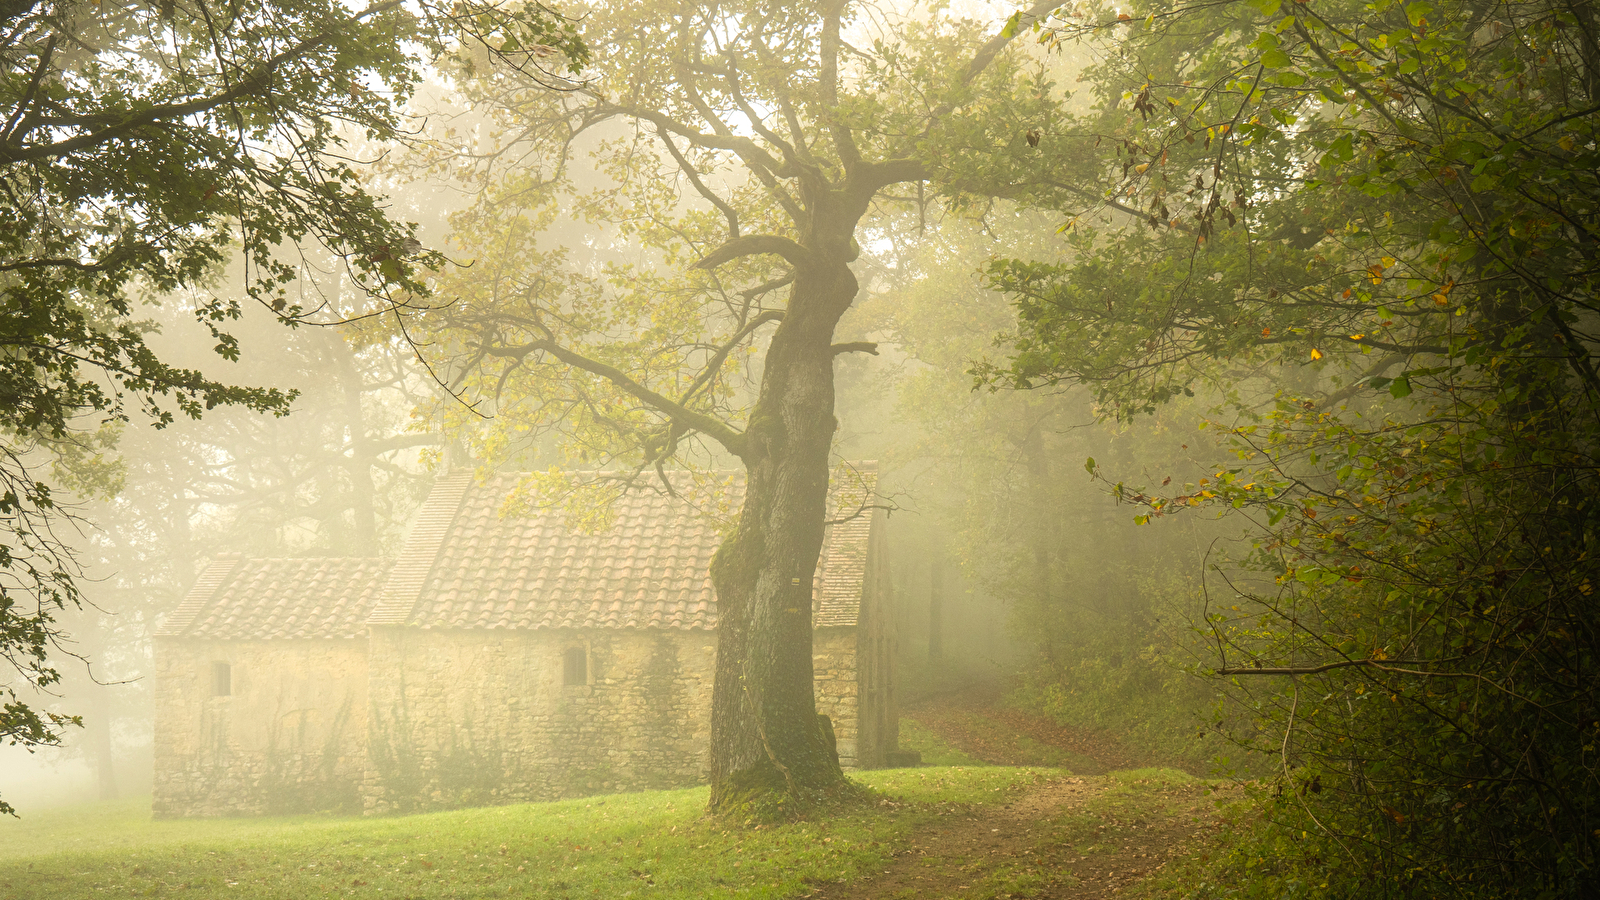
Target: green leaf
(1400, 387)
(1013, 25)
(1276, 59)
(1088, 465)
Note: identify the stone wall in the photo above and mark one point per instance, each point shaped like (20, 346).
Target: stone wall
(833, 662)
(289, 737)
(413, 719)
(462, 718)
(854, 669)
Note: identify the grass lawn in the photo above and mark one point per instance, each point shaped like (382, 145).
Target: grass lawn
(935, 750)
(655, 844)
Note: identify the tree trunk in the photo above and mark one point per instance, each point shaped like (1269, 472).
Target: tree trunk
(765, 734)
(1043, 534)
(100, 741)
(358, 465)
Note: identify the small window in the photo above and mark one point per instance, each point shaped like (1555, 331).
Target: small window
(576, 666)
(221, 680)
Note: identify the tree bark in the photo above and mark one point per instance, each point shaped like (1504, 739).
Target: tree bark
(765, 733)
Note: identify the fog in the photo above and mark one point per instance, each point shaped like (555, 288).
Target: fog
(1004, 565)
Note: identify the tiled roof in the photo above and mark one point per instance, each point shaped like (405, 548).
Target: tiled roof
(649, 569)
(279, 598)
(842, 570)
(421, 549)
(465, 565)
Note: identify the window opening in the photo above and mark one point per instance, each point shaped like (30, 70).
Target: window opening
(221, 680)
(576, 666)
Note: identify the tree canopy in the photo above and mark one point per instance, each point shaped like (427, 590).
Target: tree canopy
(1366, 232)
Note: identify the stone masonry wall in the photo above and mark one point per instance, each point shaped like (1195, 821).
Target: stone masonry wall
(290, 737)
(833, 655)
(461, 718)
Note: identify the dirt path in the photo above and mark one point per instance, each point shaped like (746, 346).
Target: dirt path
(1070, 837)
(976, 722)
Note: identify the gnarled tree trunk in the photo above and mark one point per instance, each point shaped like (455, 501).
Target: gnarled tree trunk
(765, 733)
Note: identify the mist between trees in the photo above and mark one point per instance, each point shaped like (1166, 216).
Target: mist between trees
(1230, 366)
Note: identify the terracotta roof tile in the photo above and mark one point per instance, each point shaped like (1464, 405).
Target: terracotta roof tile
(266, 599)
(464, 565)
(649, 570)
(842, 570)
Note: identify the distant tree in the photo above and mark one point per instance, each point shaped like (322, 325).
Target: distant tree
(142, 146)
(1372, 229)
(729, 153)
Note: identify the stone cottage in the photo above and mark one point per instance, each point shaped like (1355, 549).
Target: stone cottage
(498, 658)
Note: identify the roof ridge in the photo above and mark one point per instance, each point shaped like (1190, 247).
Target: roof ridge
(410, 570)
(205, 587)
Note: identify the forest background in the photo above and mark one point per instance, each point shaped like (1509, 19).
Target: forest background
(1323, 269)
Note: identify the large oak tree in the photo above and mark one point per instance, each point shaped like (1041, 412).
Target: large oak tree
(662, 256)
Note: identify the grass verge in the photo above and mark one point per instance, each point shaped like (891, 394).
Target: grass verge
(656, 844)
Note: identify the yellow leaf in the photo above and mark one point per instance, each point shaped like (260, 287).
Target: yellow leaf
(1387, 261)
(1316, 354)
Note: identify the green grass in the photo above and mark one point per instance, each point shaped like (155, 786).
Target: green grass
(935, 750)
(656, 844)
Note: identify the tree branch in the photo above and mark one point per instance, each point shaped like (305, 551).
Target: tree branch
(991, 49)
(844, 141)
(694, 179)
(721, 356)
(712, 427)
(754, 244)
(1342, 664)
(747, 149)
(253, 82)
(856, 347)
